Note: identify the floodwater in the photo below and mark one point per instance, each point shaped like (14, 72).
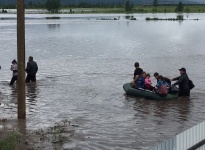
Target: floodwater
(84, 62)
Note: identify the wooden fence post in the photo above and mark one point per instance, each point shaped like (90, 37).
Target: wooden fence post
(21, 59)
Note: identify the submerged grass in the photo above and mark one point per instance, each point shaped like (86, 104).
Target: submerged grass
(61, 132)
(9, 142)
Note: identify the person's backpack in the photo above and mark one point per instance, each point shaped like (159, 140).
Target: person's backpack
(191, 85)
(163, 90)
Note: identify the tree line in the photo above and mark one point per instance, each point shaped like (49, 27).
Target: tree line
(129, 7)
(56, 5)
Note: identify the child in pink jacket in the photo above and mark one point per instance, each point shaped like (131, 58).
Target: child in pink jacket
(148, 82)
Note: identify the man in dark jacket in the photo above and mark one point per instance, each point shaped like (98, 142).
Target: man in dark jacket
(183, 82)
(31, 70)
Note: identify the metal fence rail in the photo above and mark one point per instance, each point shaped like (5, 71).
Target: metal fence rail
(191, 139)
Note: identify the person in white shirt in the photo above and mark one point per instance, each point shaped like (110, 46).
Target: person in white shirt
(14, 68)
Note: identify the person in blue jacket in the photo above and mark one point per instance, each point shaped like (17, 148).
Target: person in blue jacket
(140, 83)
(162, 86)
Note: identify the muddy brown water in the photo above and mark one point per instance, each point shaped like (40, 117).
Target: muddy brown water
(83, 63)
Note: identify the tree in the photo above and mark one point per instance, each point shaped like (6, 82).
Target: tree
(155, 3)
(128, 6)
(53, 5)
(180, 7)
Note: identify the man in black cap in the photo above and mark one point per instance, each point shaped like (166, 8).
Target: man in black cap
(183, 82)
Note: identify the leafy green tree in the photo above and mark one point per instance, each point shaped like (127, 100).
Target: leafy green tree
(53, 5)
(155, 3)
(180, 7)
(128, 6)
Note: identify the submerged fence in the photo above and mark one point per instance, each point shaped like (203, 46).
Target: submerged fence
(191, 139)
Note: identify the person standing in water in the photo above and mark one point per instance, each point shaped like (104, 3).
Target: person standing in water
(14, 68)
(31, 69)
(183, 82)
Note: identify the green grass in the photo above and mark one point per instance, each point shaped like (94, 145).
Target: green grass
(136, 9)
(98, 10)
(9, 142)
(169, 9)
(143, 9)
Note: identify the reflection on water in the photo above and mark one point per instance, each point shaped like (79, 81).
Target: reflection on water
(53, 26)
(14, 94)
(166, 117)
(9, 100)
(180, 17)
(129, 17)
(83, 65)
(177, 108)
(31, 92)
(22, 127)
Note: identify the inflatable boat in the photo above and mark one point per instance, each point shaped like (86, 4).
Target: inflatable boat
(145, 93)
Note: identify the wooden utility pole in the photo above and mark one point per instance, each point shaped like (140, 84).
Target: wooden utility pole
(21, 59)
